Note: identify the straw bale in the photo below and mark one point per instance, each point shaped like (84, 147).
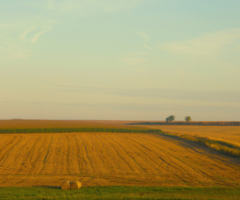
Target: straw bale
(66, 185)
(75, 184)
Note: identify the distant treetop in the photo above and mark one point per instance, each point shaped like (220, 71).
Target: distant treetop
(188, 119)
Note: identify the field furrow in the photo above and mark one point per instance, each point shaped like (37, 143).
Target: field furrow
(124, 161)
(112, 159)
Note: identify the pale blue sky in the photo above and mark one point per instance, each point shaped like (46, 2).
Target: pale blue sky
(120, 59)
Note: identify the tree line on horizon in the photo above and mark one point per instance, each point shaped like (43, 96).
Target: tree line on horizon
(172, 118)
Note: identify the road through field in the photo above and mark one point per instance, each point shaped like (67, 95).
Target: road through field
(111, 159)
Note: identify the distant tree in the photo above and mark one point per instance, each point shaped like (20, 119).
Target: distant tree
(188, 119)
(171, 118)
(167, 119)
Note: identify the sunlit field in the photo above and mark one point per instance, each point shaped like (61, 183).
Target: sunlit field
(229, 134)
(114, 158)
(100, 158)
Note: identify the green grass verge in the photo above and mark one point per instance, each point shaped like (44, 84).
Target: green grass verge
(70, 130)
(120, 193)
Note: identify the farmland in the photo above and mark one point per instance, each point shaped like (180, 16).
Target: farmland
(100, 159)
(229, 134)
(222, 139)
(114, 159)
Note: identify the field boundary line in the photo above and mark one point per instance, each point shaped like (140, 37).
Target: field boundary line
(216, 145)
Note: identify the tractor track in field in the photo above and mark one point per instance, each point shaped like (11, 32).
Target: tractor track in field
(112, 159)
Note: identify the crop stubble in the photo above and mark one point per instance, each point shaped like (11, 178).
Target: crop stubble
(111, 159)
(230, 134)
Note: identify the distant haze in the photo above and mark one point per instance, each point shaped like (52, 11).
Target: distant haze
(120, 59)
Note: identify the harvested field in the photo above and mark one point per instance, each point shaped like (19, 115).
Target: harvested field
(229, 134)
(111, 159)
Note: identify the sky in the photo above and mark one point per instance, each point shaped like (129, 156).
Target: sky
(120, 59)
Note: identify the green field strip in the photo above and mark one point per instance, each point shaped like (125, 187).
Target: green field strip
(71, 130)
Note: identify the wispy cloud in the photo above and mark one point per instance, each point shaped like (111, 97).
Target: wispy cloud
(136, 54)
(37, 35)
(88, 7)
(133, 60)
(20, 54)
(207, 44)
(15, 40)
(147, 47)
(124, 110)
(215, 96)
(128, 106)
(10, 48)
(6, 26)
(19, 32)
(24, 34)
(142, 34)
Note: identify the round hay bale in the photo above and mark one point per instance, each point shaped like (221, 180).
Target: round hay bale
(75, 185)
(66, 185)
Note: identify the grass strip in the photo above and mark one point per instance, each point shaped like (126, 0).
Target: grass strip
(217, 145)
(82, 129)
(121, 192)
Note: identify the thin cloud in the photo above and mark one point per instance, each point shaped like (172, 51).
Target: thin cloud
(88, 7)
(49, 4)
(136, 54)
(49, 13)
(6, 26)
(19, 54)
(142, 34)
(202, 96)
(147, 47)
(10, 48)
(237, 48)
(23, 36)
(133, 60)
(36, 36)
(144, 111)
(207, 44)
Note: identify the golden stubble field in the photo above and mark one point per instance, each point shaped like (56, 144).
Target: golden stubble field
(98, 159)
(229, 134)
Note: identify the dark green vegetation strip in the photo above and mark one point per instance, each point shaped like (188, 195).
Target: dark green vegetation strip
(121, 192)
(70, 130)
(203, 123)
